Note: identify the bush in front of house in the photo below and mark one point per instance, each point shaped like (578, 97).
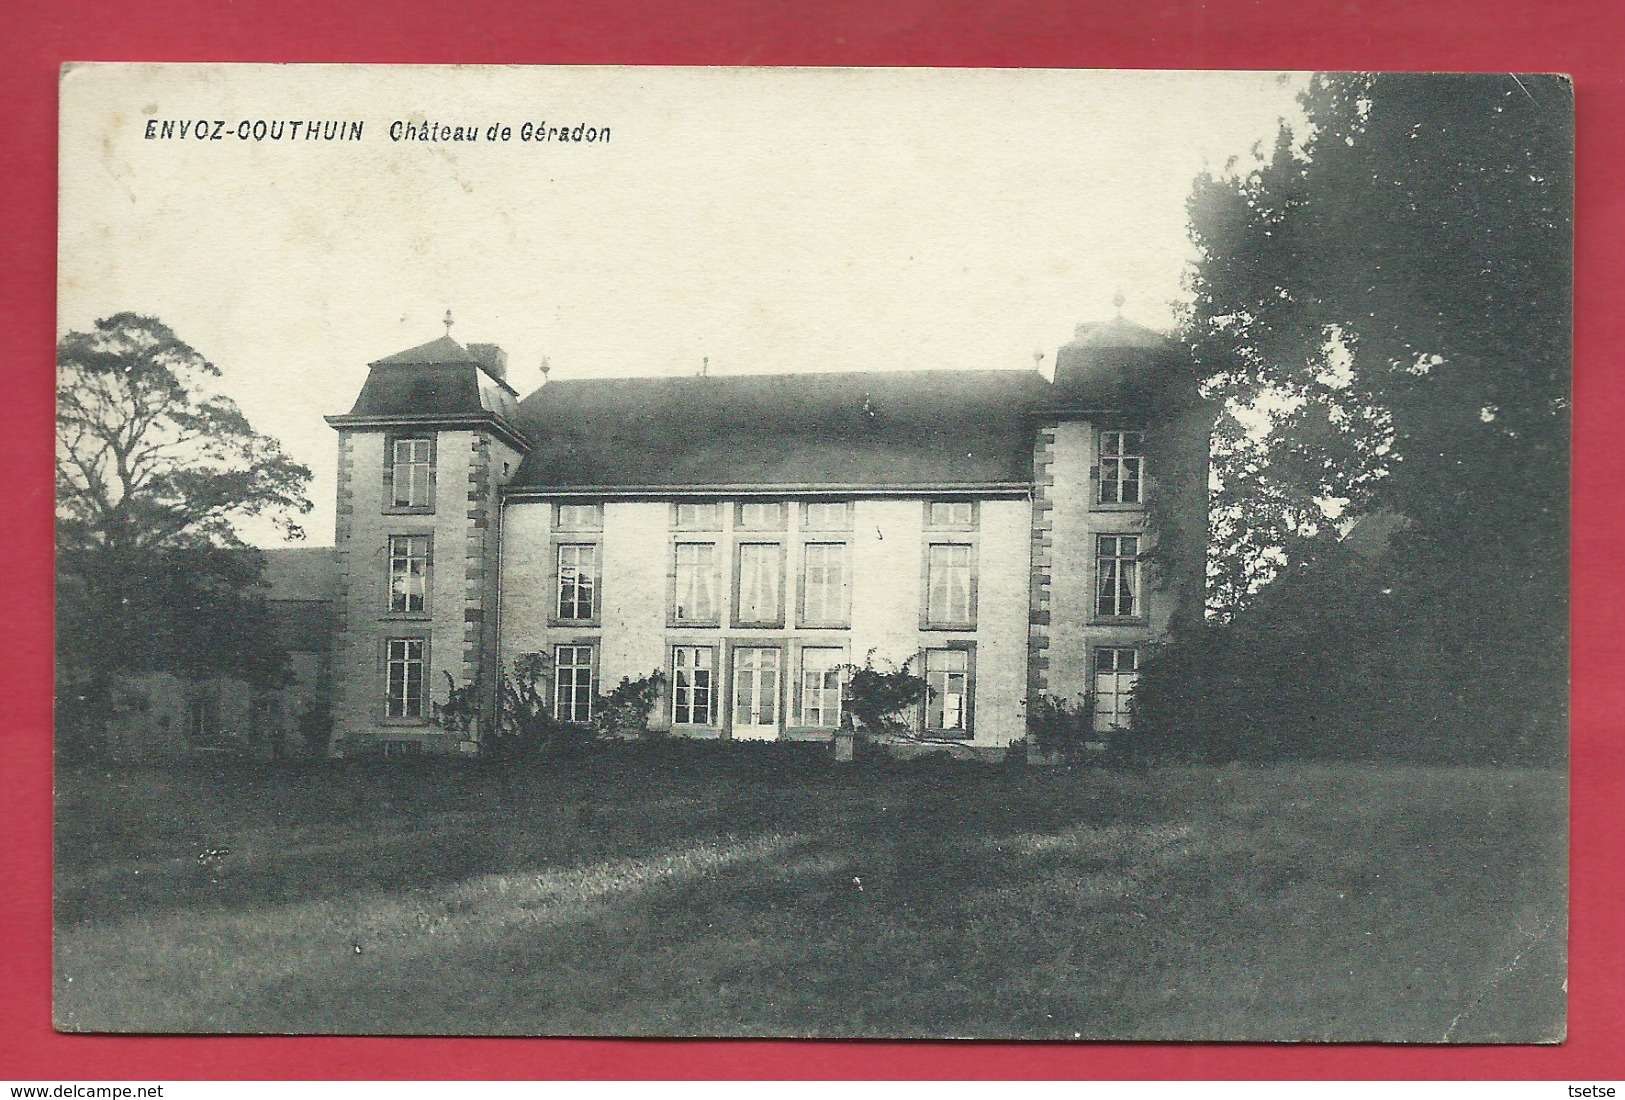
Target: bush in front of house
(1368, 687)
(624, 711)
(1058, 728)
(877, 697)
(526, 727)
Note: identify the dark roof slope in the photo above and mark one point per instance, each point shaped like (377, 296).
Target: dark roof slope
(846, 429)
(439, 379)
(419, 390)
(1119, 364)
(1117, 333)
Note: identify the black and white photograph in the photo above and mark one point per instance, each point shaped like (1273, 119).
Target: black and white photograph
(813, 553)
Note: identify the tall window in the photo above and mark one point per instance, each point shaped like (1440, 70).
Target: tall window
(695, 583)
(756, 687)
(404, 678)
(825, 587)
(1122, 467)
(580, 517)
(408, 573)
(410, 463)
(761, 574)
(1117, 670)
(1117, 566)
(578, 578)
(826, 515)
(691, 685)
(572, 683)
(947, 674)
(951, 513)
(821, 687)
(950, 588)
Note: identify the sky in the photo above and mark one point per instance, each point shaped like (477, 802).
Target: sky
(765, 221)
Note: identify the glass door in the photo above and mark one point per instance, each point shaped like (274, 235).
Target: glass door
(756, 693)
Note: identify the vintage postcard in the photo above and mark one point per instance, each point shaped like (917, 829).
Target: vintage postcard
(813, 553)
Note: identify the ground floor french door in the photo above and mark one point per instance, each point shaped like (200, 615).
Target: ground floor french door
(756, 693)
(1117, 671)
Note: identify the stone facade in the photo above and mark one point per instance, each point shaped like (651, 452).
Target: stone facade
(457, 626)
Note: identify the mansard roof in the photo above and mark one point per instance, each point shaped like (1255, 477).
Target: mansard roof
(936, 429)
(441, 381)
(806, 432)
(1118, 333)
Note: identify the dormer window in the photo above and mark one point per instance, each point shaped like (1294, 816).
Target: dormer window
(411, 474)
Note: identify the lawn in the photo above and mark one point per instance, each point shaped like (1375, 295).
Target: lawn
(691, 890)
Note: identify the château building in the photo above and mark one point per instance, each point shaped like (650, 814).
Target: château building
(1010, 532)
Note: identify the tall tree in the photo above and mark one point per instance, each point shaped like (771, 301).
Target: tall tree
(155, 469)
(1390, 292)
(1384, 299)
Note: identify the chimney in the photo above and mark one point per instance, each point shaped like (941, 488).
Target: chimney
(492, 358)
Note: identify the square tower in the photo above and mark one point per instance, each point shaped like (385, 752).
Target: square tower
(422, 456)
(1120, 471)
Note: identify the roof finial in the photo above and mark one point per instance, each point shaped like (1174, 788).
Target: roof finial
(705, 366)
(1118, 300)
(547, 368)
(447, 322)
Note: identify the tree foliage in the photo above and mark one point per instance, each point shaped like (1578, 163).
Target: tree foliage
(1383, 300)
(155, 468)
(1390, 293)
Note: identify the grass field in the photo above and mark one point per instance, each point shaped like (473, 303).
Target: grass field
(690, 891)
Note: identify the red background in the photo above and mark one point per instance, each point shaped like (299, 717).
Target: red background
(1585, 38)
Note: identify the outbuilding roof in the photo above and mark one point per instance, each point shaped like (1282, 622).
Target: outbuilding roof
(300, 572)
(301, 583)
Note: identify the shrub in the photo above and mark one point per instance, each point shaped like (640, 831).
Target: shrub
(1057, 726)
(526, 726)
(460, 713)
(624, 712)
(316, 727)
(877, 697)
